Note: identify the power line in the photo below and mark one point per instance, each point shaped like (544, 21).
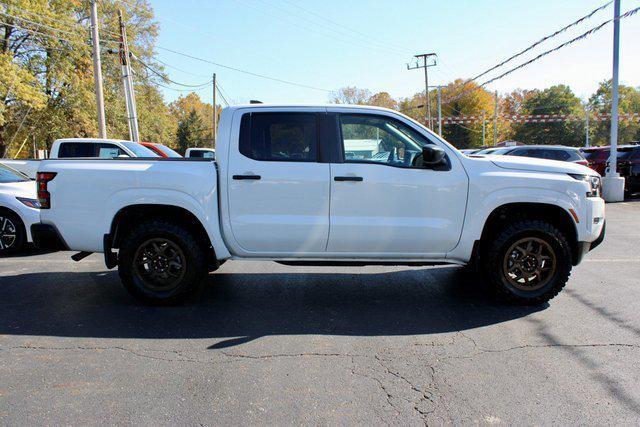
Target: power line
(560, 46)
(167, 79)
(542, 40)
(44, 34)
(306, 28)
(543, 54)
(262, 76)
(344, 26)
(221, 94)
(365, 39)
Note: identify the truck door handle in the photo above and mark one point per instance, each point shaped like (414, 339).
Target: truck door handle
(241, 177)
(348, 178)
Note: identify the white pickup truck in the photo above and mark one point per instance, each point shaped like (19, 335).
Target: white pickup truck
(327, 185)
(81, 147)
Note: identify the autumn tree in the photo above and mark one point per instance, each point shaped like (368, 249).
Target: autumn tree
(46, 72)
(557, 99)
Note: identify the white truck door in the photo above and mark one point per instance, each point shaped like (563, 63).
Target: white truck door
(381, 204)
(278, 191)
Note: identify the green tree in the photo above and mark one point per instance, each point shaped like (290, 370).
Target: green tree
(629, 102)
(190, 131)
(557, 99)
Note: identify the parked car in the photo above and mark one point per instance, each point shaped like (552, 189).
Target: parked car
(629, 167)
(469, 151)
(493, 151)
(19, 209)
(82, 147)
(597, 158)
(207, 153)
(549, 152)
(283, 190)
(161, 149)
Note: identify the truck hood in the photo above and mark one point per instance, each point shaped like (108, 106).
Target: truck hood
(539, 165)
(25, 189)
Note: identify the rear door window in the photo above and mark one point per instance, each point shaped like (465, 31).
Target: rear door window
(289, 137)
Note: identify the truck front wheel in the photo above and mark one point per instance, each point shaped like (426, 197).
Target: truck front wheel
(161, 262)
(528, 262)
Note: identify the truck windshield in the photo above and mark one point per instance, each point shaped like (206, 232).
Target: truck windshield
(138, 150)
(10, 175)
(168, 151)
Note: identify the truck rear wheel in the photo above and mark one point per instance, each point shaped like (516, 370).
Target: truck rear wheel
(161, 262)
(528, 262)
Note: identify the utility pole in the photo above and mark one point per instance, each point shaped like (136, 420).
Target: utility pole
(215, 114)
(97, 70)
(127, 80)
(425, 64)
(586, 126)
(484, 127)
(440, 110)
(495, 120)
(439, 88)
(613, 183)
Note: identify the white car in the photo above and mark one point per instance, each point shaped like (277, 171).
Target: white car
(19, 209)
(207, 153)
(283, 188)
(69, 148)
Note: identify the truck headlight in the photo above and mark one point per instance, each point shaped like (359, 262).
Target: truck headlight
(595, 184)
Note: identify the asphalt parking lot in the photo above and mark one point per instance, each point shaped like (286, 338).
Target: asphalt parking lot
(271, 344)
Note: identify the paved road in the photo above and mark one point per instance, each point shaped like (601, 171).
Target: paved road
(271, 344)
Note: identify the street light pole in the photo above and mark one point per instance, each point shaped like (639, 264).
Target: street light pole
(613, 183)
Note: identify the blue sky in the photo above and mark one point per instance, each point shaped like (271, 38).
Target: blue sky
(366, 43)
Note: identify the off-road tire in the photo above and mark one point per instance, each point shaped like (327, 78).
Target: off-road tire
(494, 257)
(195, 265)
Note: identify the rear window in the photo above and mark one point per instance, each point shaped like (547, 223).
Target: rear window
(76, 149)
(207, 154)
(279, 137)
(91, 149)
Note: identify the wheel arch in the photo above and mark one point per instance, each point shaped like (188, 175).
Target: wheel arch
(128, 216)
(555, 214)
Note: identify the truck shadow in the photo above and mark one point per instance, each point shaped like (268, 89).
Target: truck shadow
(236, 308)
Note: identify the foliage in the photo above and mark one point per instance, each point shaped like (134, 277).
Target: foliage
(557, 99)
(629, 102)
(190, 132)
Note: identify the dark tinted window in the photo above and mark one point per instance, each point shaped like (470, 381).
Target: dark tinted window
(75, 149)
(202, 153)
(89, 149)
(628, 153)
(279, 136)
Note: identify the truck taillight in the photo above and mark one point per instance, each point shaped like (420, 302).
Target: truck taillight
(44, 197)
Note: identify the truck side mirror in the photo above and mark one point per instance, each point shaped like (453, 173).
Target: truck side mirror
(432, 156)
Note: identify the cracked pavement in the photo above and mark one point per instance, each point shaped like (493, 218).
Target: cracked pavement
(271, 344)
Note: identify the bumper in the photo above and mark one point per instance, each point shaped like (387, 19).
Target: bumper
(585, 247)
(593, 220)
(29, 217)
(45, 236)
